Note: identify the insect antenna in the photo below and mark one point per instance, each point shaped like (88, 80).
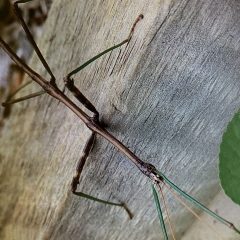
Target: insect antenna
(166, 209)
(192, 211)
(199, 205)
(160, 215)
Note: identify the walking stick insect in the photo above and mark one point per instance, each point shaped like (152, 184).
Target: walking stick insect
(158, 179)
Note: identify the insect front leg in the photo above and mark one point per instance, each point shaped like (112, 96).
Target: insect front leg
(18, 14)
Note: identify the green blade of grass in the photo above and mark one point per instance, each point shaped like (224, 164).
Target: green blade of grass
(159, 210)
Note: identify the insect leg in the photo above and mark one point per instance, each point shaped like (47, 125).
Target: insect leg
(107, 50)
(30, 37)
(69, 82)
(33, 95)
(75, 181)
(87, 149)
(9, 97)
(122, 205)
(18, 89)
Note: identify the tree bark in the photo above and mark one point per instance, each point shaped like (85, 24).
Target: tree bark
(167, 95)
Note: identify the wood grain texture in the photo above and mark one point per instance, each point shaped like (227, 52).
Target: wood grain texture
(168, 96)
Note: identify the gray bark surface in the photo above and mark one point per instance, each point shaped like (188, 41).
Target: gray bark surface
(168, 96)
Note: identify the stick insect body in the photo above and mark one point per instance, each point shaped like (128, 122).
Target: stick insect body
(93, 122)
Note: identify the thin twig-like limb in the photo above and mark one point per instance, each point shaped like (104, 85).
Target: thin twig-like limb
(7, 109)
(107, 50)
(160, 215)
(166, 209)
(75, 181)
(30, 37)
(18, 90)
(134, 25)
(199, 205)
(96, 57)
(192, 211)
(87, 149)
(69, 82)
(33, 95)
(123, 205)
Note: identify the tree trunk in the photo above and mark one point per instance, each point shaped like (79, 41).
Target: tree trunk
(167, 95)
